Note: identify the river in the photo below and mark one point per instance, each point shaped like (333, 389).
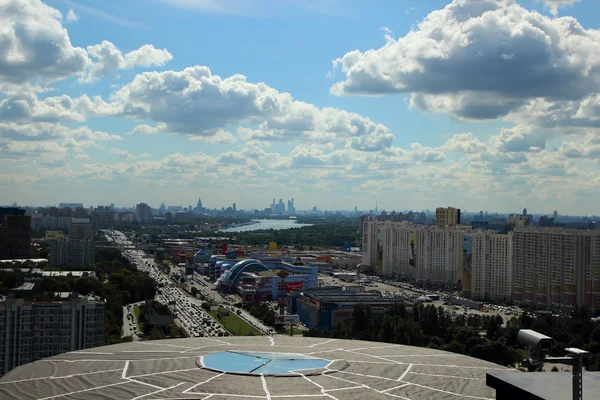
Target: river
(266, 224)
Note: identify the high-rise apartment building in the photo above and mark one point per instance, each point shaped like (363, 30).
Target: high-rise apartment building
(488, 269)
(143, 213)
(554, 268)
(439, 255)
(69, 251)
(77, 249)
(371, 246)
(447, 216)
(32, 330)
(15, 234)
(398, 249)
(416, 252)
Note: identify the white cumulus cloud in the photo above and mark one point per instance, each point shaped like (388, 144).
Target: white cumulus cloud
(34, 46)
(108, 59)
(554, 5)
(71, 16)
(479, 59)
(194, 101)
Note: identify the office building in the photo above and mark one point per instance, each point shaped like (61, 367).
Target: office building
(291, 207)
(448, 216)
(15, 234)
(555, 268)
(278, 208)
(143, 213)
(32, 330)
(487, 270)
(80, 228)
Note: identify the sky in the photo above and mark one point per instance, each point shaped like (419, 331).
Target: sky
(408, 104)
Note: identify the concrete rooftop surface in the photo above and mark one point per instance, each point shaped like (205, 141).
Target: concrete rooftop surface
(175, 369)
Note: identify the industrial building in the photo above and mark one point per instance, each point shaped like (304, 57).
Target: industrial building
(32, 330)
(325, 307)
(259, 280)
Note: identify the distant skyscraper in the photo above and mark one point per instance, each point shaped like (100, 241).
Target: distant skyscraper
(524, 212)
(555, 216)
(72, 206)
(162, 209)
(143, 213)
(234, 208)
(291, 209)
(447, 216)
(199, 206)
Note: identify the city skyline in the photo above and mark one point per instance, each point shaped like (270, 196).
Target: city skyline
(483, 104)
(308, 207)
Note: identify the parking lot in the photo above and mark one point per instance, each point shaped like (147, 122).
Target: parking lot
(404, 291)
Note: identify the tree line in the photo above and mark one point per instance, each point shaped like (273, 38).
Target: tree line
(478, 336)
(119, 283)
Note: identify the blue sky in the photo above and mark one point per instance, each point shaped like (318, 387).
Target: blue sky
(478, 104)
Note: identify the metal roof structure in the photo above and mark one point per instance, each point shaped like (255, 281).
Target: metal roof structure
(175, 369)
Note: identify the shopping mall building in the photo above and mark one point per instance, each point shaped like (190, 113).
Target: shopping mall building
(264, 279)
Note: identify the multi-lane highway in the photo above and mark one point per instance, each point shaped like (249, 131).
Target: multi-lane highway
(192, 319)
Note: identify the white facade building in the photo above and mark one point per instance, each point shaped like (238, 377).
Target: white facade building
(370, 242)
(399, 246)
(491, 267)
(439, 255)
